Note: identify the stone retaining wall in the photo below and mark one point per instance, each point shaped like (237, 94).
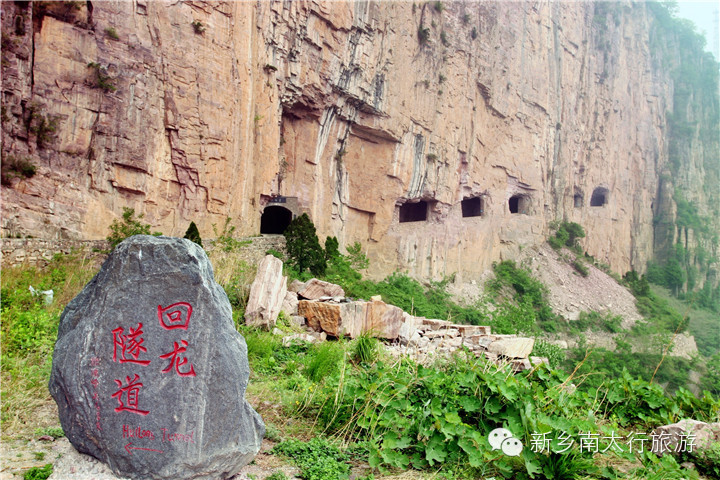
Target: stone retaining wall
(35, 251)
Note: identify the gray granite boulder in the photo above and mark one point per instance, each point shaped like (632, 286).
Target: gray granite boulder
(149, 373)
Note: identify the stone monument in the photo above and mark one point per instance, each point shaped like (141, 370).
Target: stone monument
(149, 373)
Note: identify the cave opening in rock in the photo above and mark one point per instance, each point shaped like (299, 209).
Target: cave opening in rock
(472, 207)
(519, 204)
(578, 200)
(413, 212)
(599, 197)
(275, 219)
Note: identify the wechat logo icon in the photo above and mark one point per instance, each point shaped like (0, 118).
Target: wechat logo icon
(502, 439)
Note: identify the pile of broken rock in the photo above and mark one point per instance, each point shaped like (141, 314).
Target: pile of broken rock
(324, 310)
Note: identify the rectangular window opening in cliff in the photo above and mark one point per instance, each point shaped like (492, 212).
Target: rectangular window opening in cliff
(519, 204)
(578, 200)
(472, 207)
(414, 212)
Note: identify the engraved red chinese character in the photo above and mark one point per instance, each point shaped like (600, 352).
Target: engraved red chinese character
(177, 363)
(129, 344)
(176, 315)
(130, 391)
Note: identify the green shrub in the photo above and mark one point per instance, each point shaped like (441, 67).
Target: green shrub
(33, 330)
(128, 227)
(103, 80)
(566, 234)
(16, 167)
(318, 459)
(598, 322)
(39, 473)
(303, 247)
(112, 33)
(193, 234)
(332, 249)
(581, 267)
(43, 126)
(198, 27)
(555, 354)
(510, 318)
(225, 240)
(527, 290)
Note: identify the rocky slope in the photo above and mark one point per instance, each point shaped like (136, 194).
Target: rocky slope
(354, 112)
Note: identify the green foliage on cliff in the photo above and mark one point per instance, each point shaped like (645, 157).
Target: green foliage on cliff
(693, 121)
(129, 226)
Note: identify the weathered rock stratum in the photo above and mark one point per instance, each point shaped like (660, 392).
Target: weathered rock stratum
(442, 136)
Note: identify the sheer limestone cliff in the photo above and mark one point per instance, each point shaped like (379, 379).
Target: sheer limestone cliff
(415, 129)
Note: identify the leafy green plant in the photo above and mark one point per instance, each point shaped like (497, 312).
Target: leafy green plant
(103, 80)
(555, 354)
(224, 238)
(39, 473)
(303, 247)
(580, 267)
(112, 33)
(129, 226)
(566, 234)
(527, 290)
(707, 460)
(438, 6)
(16, 167)
(318, 459)
(193, 234)
(275, 253)
(198, 27)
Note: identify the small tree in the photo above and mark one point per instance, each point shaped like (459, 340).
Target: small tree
(129, 226)
(303, 247)
(193, 234)
(332, 249)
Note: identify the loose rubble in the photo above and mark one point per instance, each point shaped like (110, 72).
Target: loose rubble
(323, 310)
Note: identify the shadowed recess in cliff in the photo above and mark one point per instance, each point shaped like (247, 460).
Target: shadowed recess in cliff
(275, 219)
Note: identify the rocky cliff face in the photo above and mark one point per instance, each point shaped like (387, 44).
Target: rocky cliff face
(364, 114)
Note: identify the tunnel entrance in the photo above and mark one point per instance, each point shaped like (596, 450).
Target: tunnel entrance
(599, 197)
(275, 219)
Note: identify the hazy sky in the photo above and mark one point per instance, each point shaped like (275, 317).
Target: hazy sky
(705, 15)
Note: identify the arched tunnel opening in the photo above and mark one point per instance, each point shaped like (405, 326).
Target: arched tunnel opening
(275, 219)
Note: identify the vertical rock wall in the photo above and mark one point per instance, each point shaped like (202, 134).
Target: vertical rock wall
(354, 109)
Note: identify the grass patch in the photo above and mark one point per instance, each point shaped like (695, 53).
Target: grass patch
(28, 333)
